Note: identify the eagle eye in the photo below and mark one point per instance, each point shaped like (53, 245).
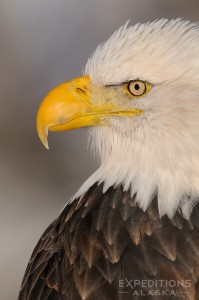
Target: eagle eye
(137, 88)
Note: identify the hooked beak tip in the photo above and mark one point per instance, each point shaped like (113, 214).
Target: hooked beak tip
(43, 135)
(46, 145)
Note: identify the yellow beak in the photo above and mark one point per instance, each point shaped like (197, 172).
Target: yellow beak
(69, 106)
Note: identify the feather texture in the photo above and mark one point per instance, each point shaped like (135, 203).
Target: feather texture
(156, 152)
(102, 241)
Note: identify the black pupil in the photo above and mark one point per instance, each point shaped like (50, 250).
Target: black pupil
(137, 86)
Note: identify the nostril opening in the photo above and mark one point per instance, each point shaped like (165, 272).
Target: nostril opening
(81, 92)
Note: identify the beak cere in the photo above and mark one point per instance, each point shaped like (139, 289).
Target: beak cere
(69, 106)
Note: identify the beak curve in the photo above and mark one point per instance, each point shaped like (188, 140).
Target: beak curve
(69, 106)
(63, 108)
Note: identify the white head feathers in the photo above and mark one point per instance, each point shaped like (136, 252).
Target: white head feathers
(157, 152)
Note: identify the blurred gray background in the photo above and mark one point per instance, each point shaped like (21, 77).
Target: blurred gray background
(45, 42)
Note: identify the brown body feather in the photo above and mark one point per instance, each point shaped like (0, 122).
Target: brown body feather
(101, 244)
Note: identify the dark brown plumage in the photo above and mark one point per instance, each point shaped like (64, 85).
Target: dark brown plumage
(100, 242)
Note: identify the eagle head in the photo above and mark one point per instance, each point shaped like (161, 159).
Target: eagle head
(140, 99)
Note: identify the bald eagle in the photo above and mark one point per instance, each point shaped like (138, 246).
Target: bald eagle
(132, 229)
